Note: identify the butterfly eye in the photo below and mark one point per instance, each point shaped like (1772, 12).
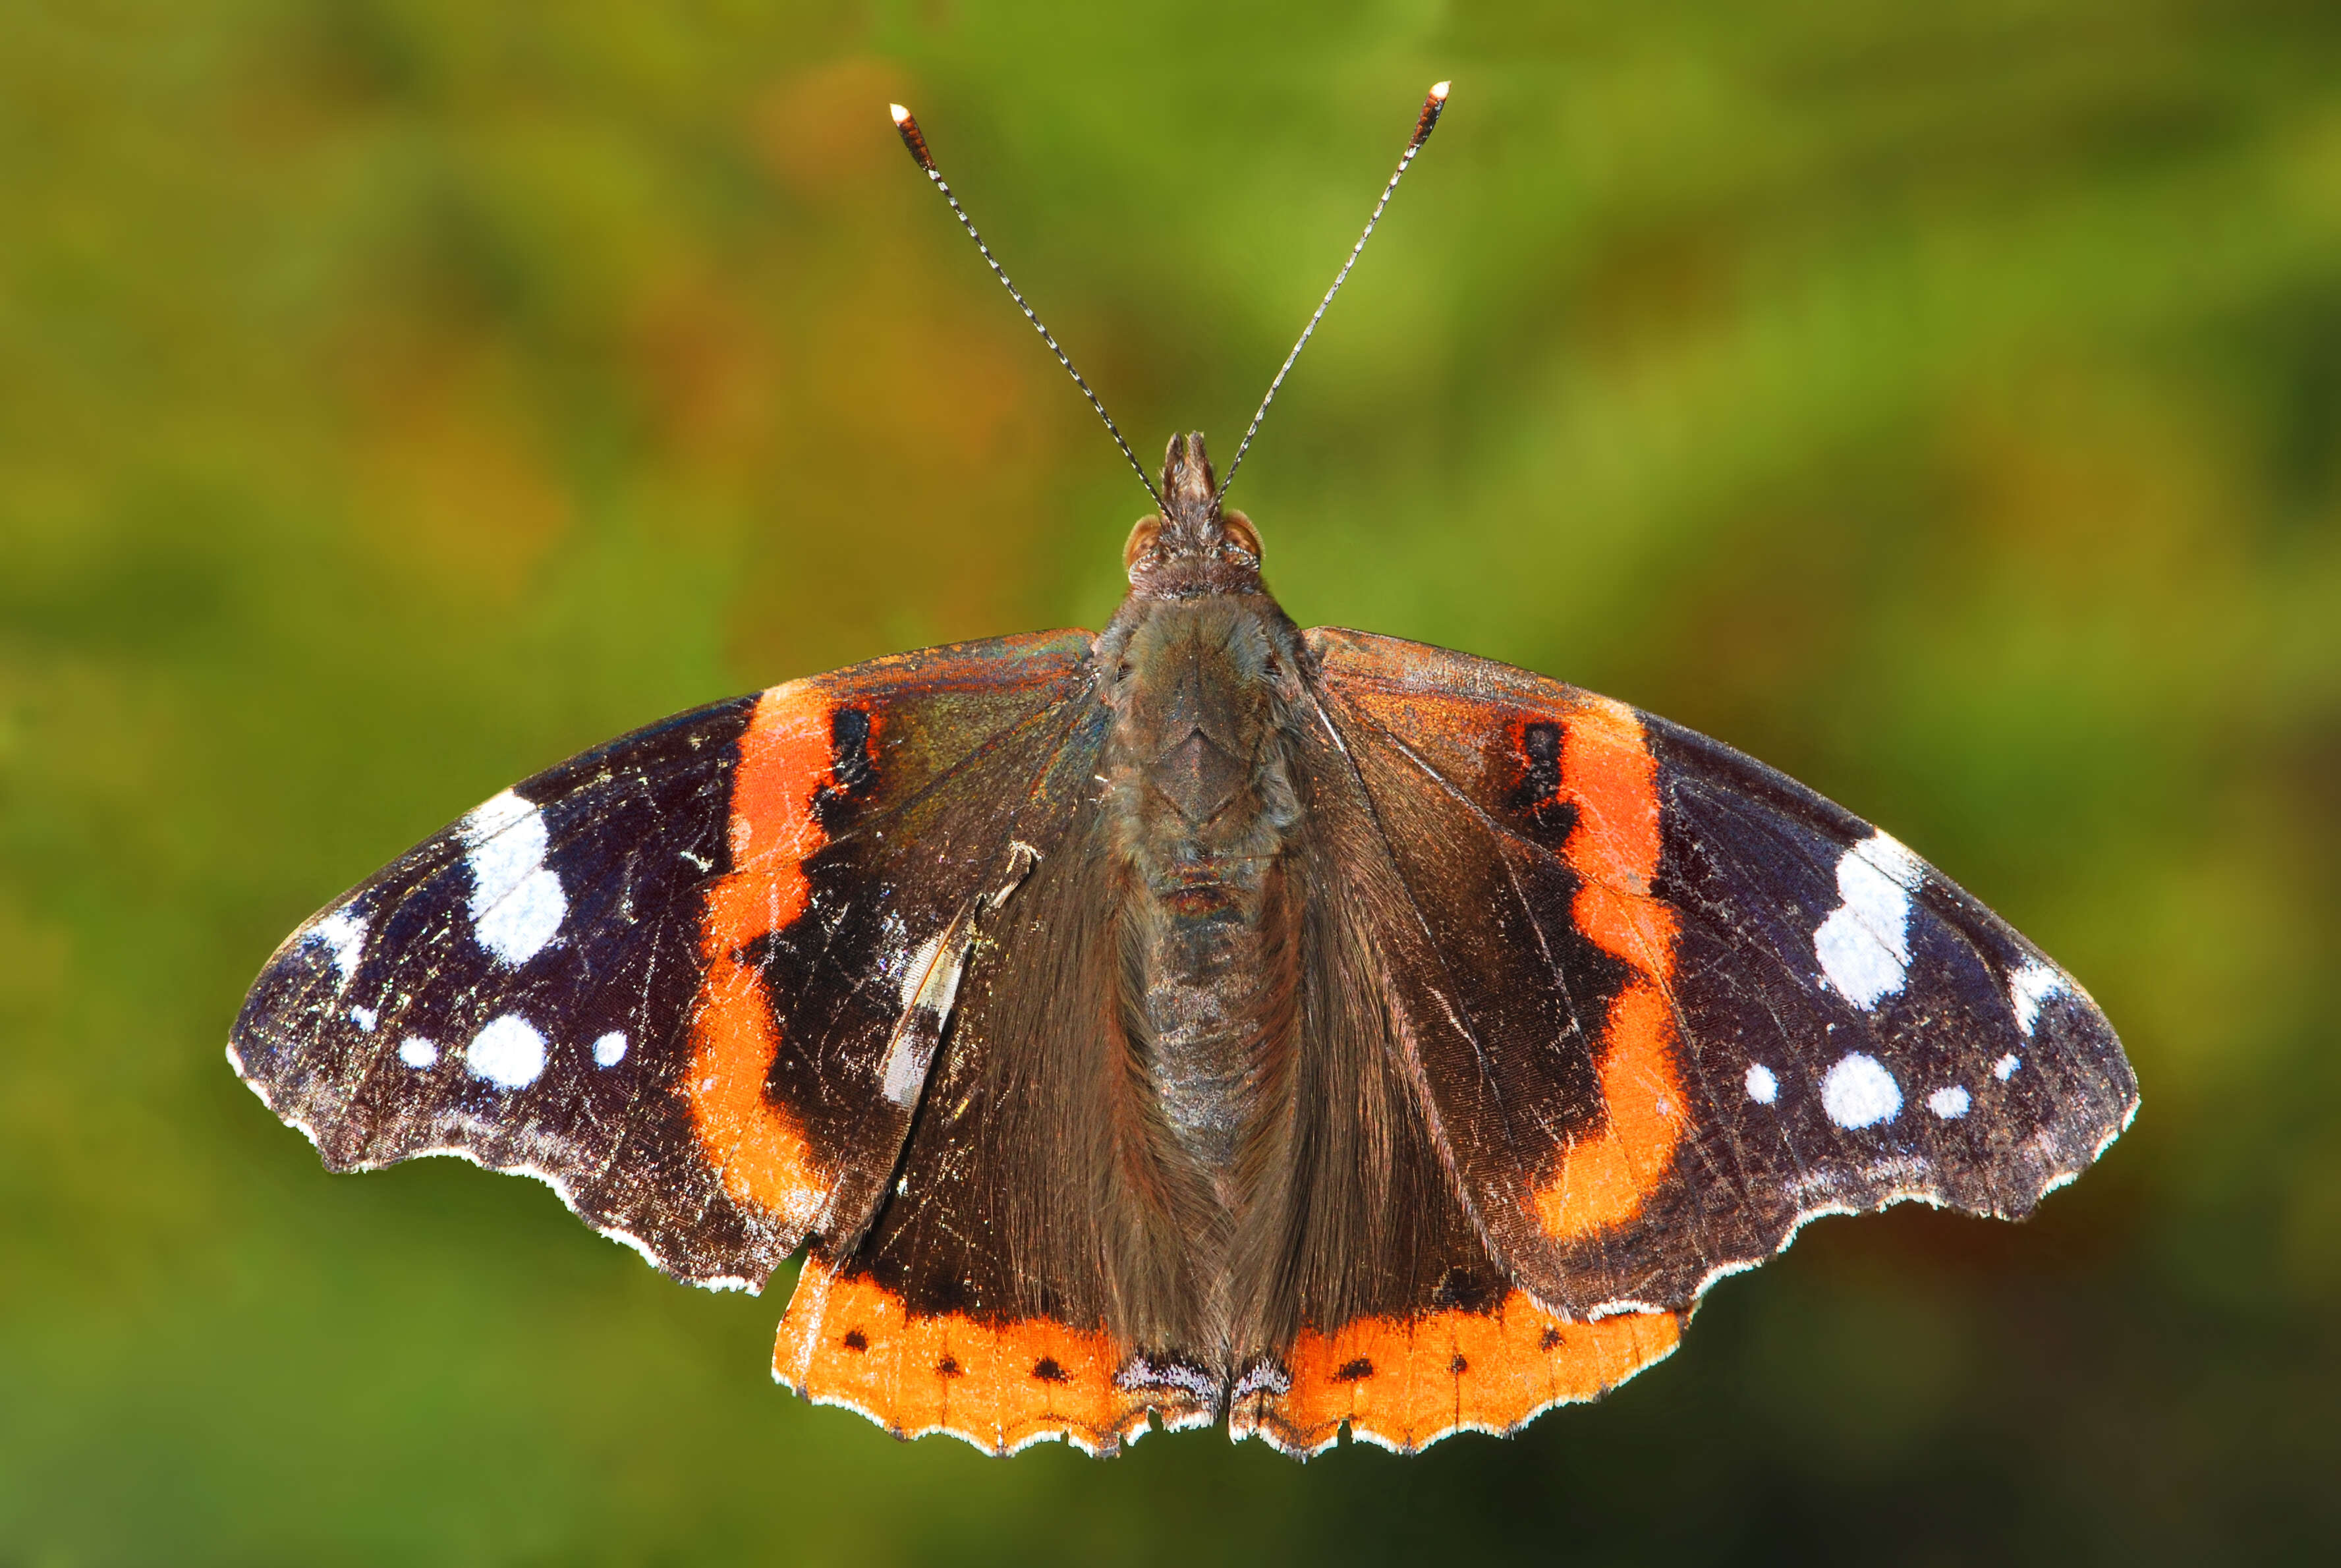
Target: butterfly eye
(1243, 542)
(1142, 539)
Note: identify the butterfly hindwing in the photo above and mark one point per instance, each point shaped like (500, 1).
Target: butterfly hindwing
(1039, 1269)
(1390, 1314)
(665, 976)
(982, 1299)
(1666, 1004)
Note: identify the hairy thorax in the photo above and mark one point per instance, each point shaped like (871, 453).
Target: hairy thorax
(1200, 803)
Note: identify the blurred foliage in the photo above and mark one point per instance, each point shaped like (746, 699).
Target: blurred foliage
(398, 395)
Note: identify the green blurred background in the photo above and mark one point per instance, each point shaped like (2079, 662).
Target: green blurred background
(396, 396)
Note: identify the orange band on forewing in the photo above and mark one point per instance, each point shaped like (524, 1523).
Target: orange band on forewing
(1628, 926)
(757, 1147)
(1404, 1382)
(848, 1341)
(1604, 1177)
(1607, 772)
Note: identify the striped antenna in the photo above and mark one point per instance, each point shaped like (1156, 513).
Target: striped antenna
(1424, 125)
(917, 142)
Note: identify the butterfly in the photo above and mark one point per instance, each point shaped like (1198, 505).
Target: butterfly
(1204, 1021)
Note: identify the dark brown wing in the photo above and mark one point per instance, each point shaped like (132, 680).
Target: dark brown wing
(1663, 1005)
(1044, 1266)
(1039, 1269)
(987, 1298)
(689, 979)
(1371, 1283)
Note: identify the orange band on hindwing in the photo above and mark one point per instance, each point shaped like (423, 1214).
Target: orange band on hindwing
(757, 1147)
(852, 1342)
(1406, 1381)
(1608, 773)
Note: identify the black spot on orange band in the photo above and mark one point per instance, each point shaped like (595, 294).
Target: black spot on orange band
(848, 1340)
(1404, 1382)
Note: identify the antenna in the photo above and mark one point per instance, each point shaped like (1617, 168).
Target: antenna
(1424, 125)
(909, 127)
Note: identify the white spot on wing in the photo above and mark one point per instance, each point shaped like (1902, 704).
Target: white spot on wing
(2005, 1068)
(517, 904)
(508, 1052)
(609, 1049)
(343, 934)
(517, 927)
(930, 986)
(914, 973)
(493, 817)
(1950, 1104)
(1762, 1087)
(1864, 946)
(365, 1019)
(417, 1052)
(907, 1057)
(2027, 988)
(1859, 1092)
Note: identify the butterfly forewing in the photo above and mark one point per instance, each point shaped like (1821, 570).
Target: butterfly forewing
(1667, 1004)
(517, 990)
(1938, 1052)
(664, 976)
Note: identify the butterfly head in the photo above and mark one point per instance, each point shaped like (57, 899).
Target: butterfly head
(1192, 545)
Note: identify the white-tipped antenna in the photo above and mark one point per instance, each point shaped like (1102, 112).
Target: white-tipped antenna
(912, 139)
(1424, 123)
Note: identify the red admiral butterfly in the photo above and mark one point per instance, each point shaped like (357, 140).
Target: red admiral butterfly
(1208, 1021)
